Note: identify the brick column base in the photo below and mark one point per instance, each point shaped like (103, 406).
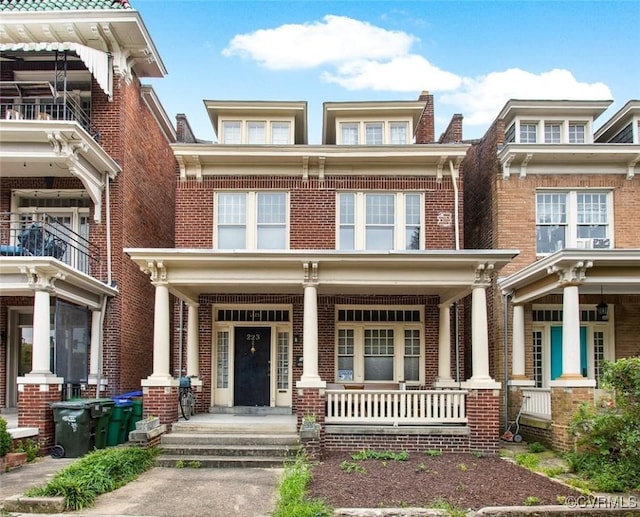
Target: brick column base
(161, 401)
(483, 410)
(311, 402)
(564, 403)
(34, 411)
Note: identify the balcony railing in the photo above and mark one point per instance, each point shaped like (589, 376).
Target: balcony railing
(41, 235)
(537, 402)
(41, 103)
(396, 407)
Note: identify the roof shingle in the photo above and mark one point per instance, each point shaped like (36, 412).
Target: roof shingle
(61, 5)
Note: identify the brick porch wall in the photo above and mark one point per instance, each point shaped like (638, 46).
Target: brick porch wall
(161, 401)
(34, 411)
(564, 403)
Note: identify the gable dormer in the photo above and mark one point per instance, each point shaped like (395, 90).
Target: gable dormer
(258, 122)
(551, 122)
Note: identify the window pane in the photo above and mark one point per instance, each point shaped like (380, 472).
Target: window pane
(412, 221)
(232, 221)
(576, 133)
(551, 217)
(222, 363)
(378, 368)
(271, 238)
(378, 354)
(411, 368)
(349, 133)
(412, 355)
(373, 133)
(280, 133)
(255, 132)
(345, 354)
(379, 232)
(347, 221)
(399, 132)
(347, 238)
(233, 238)
(231, 132)
(552, 133)
(527, 133)
(283, 360)
(272, 221)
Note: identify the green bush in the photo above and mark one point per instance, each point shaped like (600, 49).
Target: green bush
(31, 447)
(96, 473)
(608, 451)
(5, 438)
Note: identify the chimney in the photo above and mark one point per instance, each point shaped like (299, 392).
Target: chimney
(425, 131)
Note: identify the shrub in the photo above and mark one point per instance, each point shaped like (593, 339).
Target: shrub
(31, 447)
(608, 442)
(5, 438)
(96, 473)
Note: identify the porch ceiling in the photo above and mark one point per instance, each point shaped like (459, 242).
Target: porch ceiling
(614, 271)
(41, 148)
(448, 274)
(21, 276)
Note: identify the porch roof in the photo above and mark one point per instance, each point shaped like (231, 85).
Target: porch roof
(448, 274)
(617, 271)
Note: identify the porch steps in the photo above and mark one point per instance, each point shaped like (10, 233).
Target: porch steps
(248, 443)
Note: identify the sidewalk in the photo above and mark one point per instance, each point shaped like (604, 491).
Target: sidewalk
(165, 492)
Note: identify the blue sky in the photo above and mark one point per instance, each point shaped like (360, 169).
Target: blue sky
(473, 56)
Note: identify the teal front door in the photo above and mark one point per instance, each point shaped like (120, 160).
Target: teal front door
(556, 352)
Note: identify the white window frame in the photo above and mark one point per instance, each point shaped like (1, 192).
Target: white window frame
(571, 132)
(226, 126)
(251, 217)
(528, 134)
(397, 125)
(374, 131)
(360, 127)
(360, 225)
(572, 223)
(552, 132)
(256, 132)
(398, 349)
(268, 125)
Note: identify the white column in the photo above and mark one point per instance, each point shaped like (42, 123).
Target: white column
(40, 359)
(571, 332)
(193, 341)
(444, 347)
(161, 340)
(310, 377)
(480, 340)
(517, 360)
(94, 358)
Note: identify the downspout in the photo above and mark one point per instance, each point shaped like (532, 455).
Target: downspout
(103, 310)
(456, 202)
(108, 229)
(505, 303)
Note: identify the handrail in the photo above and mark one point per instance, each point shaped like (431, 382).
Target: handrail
(396, 407)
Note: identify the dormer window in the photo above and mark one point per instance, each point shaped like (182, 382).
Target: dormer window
(398, 133)
(552, 133)
(576, 133)
(374, 133)
(256, 132)
(281, 133)
(231, 132)
(349, 133)
(528, 133)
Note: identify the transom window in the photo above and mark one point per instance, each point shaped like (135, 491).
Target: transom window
(389, 352)
(379, 221)
(572, 219)
(374, 132)
(251, 220)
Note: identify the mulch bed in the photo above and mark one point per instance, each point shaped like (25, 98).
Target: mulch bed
(463, 481)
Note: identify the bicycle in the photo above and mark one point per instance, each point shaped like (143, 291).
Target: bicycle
(186, 398)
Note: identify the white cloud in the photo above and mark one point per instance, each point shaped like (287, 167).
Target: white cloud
(480, 99)
(409, 73)
(334, 40)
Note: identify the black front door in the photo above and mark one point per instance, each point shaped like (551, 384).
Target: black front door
(251, 366)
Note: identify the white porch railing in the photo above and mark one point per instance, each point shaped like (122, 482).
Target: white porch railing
(396, 407)
(537, 403)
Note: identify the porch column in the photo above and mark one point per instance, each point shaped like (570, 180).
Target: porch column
(444, 379)
(479, 332)
(571, 333)
(517, 364)
(40, 360)
(161, 347)
(193, 340)
(95, 367)
(310, 377)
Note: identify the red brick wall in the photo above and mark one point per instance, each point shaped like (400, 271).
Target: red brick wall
(162, 402)
(453, 133)
(397, 442)
(34, 411)
(425, 132)
(482, 414)
(312, 207)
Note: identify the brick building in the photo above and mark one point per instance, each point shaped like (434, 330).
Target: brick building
(327, 280)
(544, 181)
(86, 170)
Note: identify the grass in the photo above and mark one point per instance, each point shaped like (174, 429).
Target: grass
(291, 493)
(96, 473)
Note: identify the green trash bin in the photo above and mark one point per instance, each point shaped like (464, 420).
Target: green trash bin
(76, 422)
(119, 422)
(136, 413)
(102, 409)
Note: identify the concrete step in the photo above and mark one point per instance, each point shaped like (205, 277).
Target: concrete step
(236, 426)
(192, 438)
(211, 462)
(275, 451)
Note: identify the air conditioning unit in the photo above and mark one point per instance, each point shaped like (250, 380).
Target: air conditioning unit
(601, 243)
(584, 243)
